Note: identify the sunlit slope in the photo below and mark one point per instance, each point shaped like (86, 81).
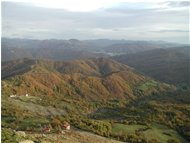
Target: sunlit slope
(92, 79)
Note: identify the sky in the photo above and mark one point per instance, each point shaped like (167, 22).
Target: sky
(96, 19)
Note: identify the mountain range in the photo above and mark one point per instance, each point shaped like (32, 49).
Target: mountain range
(131, 91)
(73, 49)
(168, 65)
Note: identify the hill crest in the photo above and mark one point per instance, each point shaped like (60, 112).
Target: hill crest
(92, 79)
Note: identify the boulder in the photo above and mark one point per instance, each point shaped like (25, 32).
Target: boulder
(27, 141)
(21, 133)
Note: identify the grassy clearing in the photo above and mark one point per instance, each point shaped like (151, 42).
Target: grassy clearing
(145, 86)
(156, 131)
(30, 107)
(33, 99)
(125, 129)
(163, 134)
(33, 122)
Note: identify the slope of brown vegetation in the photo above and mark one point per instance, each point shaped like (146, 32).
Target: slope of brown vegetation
(91, 79)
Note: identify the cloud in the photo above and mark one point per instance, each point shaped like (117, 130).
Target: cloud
(178, 3)
(134, 21)
(173, 31)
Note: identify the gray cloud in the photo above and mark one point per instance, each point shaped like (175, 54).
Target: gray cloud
(178, 3)
(122, 22)
(175, 31)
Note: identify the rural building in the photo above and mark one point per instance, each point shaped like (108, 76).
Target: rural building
(12, 96)
(66, 126)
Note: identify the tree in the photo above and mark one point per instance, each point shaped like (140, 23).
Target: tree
(56, 123)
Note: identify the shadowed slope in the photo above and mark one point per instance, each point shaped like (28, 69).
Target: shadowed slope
(167, 65)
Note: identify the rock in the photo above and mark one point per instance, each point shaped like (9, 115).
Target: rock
(26, 141)
(20, 134)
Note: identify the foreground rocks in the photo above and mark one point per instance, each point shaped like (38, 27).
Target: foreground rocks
(26, 141)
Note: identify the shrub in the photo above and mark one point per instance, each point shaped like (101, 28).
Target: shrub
(8, 136)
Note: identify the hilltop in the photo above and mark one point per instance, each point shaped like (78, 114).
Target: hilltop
(94, 79)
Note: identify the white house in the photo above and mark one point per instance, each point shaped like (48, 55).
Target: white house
(12, 96)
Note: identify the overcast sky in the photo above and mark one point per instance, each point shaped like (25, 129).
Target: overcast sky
(40, 19)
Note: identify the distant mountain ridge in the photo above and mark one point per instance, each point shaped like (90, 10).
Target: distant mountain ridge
(129, 47)
(45, 49)
(73, 49)
(169, 65)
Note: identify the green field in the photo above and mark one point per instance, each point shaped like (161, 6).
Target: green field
(159, 132)
(145, 86)
(126, 129)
